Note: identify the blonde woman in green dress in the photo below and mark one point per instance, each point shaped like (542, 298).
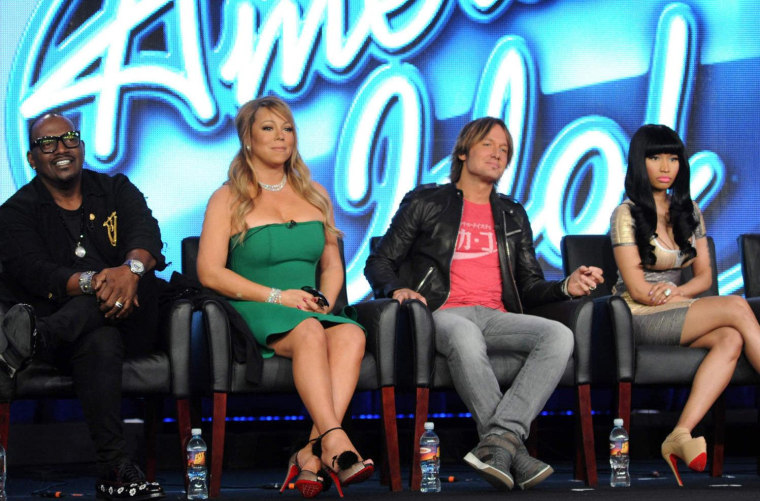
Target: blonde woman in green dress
(265, 234)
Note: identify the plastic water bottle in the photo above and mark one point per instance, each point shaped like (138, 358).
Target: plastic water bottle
(197, 486)
(2, 473)
(619, 476)
(430, 455)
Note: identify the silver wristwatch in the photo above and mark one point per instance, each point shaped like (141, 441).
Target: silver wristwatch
(85, 282)
(135, 266)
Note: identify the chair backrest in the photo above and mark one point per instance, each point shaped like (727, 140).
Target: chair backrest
(749, 250)
(596, 250)
(590, 250)
(190, 269)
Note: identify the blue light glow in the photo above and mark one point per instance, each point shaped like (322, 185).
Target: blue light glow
(379, 91)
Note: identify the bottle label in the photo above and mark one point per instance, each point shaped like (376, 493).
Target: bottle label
(618, 447)
(428, 453)
(196, 459)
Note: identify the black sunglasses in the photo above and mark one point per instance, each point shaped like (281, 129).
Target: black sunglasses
(48, 144)
(321, 299)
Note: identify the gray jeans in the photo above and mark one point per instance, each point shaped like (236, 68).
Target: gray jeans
(465, 336)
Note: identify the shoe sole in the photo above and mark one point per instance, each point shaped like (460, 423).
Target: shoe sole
(536, 479)
(144, 497)
(18, 351)
(492, 475)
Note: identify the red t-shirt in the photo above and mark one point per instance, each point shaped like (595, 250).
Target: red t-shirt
(475, 272)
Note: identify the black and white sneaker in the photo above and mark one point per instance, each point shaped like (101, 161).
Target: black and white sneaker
(18, 338)
(492, 461)
(527, 471)
(127, 481)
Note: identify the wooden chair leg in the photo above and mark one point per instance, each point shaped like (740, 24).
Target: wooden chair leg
(585, 455)
(391, 437)
(719, 434)
(757, 442)
(183, 429)
(217, 443)
(5, 423)
(152, 417)
(624, 404)
(420, 416)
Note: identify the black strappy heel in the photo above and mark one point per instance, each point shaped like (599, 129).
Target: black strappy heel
(349, 469)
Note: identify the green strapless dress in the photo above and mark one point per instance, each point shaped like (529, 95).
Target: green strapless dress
(284, 256)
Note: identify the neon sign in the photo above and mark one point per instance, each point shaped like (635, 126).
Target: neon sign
(364, 65)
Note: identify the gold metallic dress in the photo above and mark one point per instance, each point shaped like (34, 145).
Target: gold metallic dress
(661, 324)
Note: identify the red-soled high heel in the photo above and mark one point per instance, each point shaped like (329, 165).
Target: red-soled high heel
(692, 451)
(308, 483)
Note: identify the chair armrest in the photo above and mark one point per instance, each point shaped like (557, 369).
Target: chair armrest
(177, 328)
(218, 339)
(419, 340)
(577, 315)
(754, 303)
(622, 332)
(380, 318)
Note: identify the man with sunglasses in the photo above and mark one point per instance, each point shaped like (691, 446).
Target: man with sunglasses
(78, 250)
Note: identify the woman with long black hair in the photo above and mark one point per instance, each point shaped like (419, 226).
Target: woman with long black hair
(655, 233)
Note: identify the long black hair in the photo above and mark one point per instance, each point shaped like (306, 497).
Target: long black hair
(648, 141)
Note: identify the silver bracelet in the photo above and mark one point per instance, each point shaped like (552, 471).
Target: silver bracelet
(85, 282)
(275, 296)
(564, 288)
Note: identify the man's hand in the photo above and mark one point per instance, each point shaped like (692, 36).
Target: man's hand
(584, 280)
(402, 295)
(116, 286)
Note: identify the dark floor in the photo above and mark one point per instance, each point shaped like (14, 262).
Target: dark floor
(47, 457)
(650, 479)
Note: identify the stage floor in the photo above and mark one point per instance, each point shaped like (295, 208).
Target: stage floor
(650, 479)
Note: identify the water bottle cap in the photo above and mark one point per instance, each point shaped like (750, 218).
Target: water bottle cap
(618, 422)
(195, 431)
(429, 425)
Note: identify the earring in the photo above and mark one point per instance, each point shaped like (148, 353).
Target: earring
(248, 147)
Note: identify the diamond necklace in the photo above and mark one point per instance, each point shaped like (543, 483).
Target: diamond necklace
(275, 187)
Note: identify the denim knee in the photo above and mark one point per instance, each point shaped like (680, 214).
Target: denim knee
(561, 341)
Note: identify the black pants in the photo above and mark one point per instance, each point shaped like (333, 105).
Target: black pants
(80, 341)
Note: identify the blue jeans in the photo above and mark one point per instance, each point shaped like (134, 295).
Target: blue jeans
(466, 335)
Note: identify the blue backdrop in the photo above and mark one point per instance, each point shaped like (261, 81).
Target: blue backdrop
(380, 90)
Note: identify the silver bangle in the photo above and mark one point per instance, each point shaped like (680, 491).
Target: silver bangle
(564, 288)
(275, 296)
(85, 282)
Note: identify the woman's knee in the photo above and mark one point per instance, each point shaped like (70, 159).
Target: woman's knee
(730, 342)
(309, 333)
(348, 338)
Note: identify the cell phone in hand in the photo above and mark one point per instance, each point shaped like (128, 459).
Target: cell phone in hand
(321, 299)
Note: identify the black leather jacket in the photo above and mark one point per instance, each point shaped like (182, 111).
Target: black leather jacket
(419, 246)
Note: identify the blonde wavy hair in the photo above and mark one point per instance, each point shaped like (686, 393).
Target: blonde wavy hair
(241, 177)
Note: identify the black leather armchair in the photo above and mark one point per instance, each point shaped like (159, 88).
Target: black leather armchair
(153, 376)
(749, 251)
(430, 372)
(228, 376)
(644, 365)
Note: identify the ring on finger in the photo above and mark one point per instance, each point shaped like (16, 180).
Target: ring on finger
(118, 304)
(667, 292)
(592, 288)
